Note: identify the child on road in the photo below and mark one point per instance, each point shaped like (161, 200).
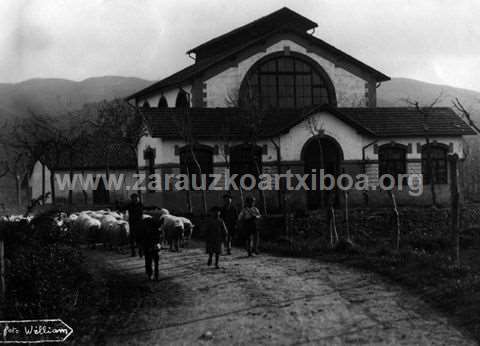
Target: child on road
(248, 223)
(215, 234)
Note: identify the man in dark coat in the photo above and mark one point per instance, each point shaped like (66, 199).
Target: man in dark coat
(151, 245)
(229, 216)
(135, 215)
(215, 234)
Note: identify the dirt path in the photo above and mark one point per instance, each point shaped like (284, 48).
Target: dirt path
(263, 300)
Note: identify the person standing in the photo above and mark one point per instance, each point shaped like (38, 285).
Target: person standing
(229, 216)
(215, 234)
(248, 218)
(135, 216)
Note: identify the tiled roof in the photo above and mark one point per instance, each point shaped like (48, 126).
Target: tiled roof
(234, 123)
(93, 156)
(407, 121)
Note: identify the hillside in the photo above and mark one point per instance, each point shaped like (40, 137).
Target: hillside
(56, 96)
(394, 93)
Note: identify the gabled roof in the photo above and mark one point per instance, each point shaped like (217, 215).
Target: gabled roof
(230, 50)
(283, 17)
(222, 123)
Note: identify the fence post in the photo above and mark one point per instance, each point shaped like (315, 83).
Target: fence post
(2, 275)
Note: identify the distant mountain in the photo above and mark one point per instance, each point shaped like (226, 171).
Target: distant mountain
(56, 96)
(394, 93)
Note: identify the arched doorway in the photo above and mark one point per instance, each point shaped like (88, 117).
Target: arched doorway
(320, 152)
(100, 194)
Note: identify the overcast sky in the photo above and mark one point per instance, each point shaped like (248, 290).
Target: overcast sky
(436, 41)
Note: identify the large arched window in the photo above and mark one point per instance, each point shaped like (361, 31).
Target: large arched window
(392, 160)
(245, 159)
(182, 99)
(438, 162)
(201, 154)
(287, 81)
(162, 103)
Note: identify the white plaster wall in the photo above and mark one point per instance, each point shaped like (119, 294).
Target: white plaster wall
(349, 139)
(349, 88)
(457, 146)
(35, 181)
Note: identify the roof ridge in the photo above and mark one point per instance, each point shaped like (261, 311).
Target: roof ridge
(250, 24)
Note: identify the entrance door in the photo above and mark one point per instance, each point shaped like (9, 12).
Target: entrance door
(320, 153)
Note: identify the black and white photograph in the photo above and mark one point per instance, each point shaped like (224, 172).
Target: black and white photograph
(226, 172)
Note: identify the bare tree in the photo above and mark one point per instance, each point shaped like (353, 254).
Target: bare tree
(122, 123)
(29, 138)
(425, 112)
(252, 119)
(185, 129)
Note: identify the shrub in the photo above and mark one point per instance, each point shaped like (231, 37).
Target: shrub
(44, 270)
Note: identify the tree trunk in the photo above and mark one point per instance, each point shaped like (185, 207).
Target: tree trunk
(52, 185)
(70, 192)
(107, 176)
(430, 173)
(455, 208)
(203, 191)
(322, 166)
(397, 220)
(18, 187)
(43, 184)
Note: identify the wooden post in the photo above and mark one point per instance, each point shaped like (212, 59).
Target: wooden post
(455, 208)
(2, 276)
(347, 221)
(397, 219)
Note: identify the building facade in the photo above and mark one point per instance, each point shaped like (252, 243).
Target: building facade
(271, 97)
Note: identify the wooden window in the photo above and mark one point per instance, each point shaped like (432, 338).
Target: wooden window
(245, 159)
(392, 160)
(149, 156)
(439, 163)
(188, 166)
(162, 103)
(286, 82)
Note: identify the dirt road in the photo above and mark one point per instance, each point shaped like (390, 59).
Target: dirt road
(262, 300)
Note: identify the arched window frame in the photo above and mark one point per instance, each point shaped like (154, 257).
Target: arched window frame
(439, 161)
(204, 156)
(145, 104)
(247, 97)
(392, 159)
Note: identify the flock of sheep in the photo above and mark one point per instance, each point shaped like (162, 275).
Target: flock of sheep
(111, 228)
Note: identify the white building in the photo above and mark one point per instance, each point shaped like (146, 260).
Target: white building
(254, 93)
